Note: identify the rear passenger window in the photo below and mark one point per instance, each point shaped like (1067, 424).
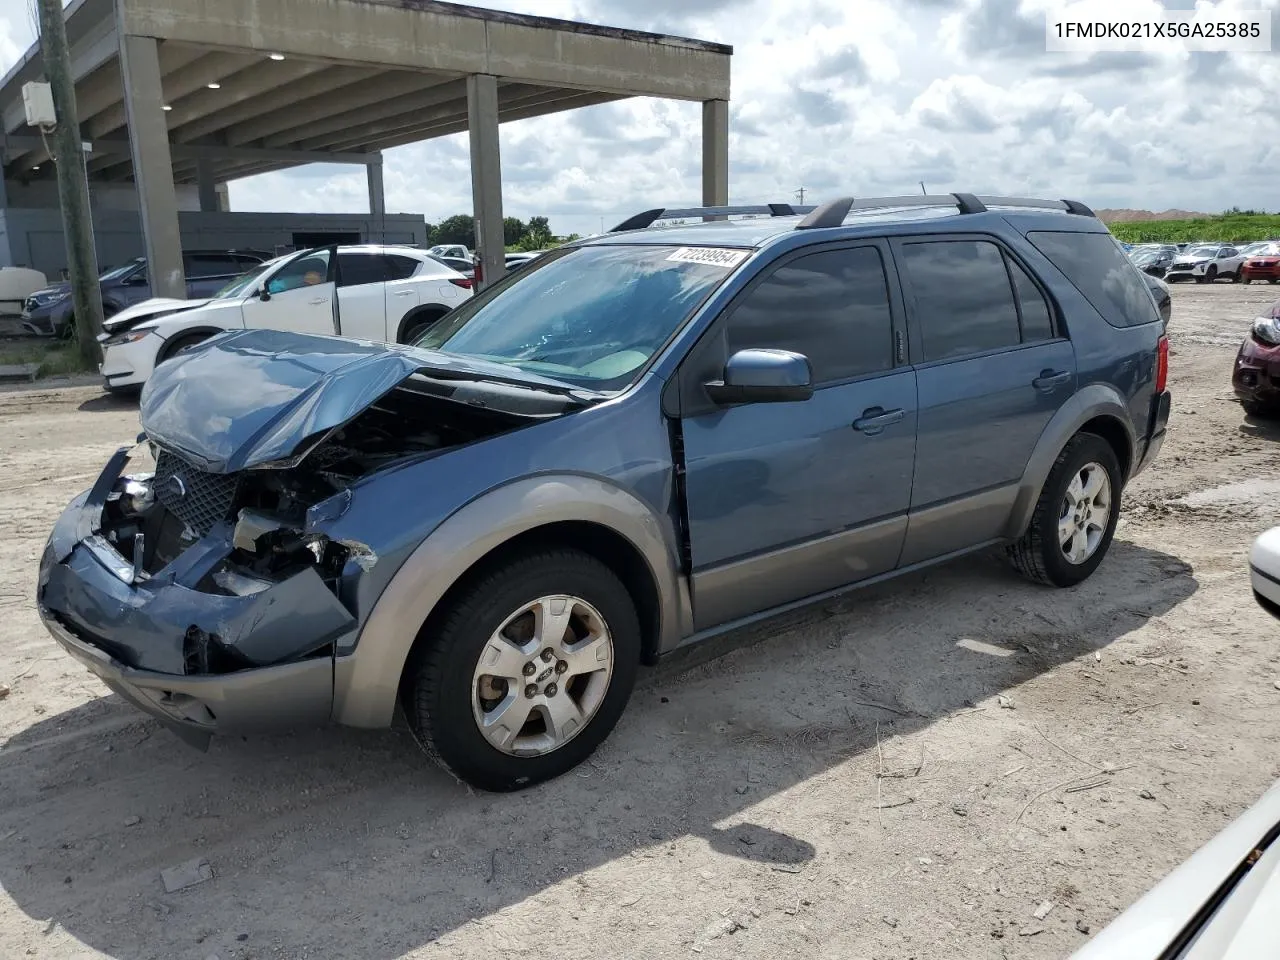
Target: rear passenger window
(1099, 269)
(398, 267)
(1037, 322)
(963, 299)
(833, 307)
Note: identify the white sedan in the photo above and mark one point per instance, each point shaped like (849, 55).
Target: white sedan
(1206, 263)
(369, 292)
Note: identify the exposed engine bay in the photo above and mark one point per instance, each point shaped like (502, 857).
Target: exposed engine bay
(250, 526)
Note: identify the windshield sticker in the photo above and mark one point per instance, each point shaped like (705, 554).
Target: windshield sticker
(711, 256)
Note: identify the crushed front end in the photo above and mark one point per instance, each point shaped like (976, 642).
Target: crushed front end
(206, 590)
(197, 596)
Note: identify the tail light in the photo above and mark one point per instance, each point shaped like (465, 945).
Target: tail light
(462, 282)
(478, 275)
(1162, 364)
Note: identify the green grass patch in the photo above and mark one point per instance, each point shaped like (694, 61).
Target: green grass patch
(1227, 228)
(55, 359)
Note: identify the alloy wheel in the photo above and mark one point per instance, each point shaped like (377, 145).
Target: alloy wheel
(1085, 513)
(542, 676)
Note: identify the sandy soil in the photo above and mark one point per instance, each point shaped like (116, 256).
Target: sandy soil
(845, 783)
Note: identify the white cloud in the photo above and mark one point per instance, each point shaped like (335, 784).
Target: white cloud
(864, 98)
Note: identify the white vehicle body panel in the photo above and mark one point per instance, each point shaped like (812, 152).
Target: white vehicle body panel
(368, 311)
(1264, 566)
(1245, 927)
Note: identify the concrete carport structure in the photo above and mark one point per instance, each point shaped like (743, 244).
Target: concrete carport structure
(206, 91)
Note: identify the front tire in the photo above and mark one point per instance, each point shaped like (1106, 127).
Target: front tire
(1261, 411)
(526, 672)
(1075, 517)
(182, 344)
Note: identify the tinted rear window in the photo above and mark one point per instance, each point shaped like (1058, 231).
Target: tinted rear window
(1100, 270)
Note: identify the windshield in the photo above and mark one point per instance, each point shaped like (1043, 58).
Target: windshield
(1204, 252)
(246, 281)
(1264, 250)
(113, 273)
(589, 316)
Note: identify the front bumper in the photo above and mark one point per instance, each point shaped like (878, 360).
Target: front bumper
(1261, 271)
(1256, 373)
(39, 321)
(138, 636)
(128, 364)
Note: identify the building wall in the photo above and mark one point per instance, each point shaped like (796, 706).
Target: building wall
(33, 237)
(43, 194)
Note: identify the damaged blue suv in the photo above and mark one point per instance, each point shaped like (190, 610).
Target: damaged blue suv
(644, 439)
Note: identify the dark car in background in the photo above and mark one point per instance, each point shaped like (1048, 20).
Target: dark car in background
(1160, 291)
(48, 312)
(1154, 260)
(1255, 378)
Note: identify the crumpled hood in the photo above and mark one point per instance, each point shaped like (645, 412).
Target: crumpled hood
(251, 397)
(147, 310)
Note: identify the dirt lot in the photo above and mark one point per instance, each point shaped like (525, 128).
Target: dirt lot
(843, 784)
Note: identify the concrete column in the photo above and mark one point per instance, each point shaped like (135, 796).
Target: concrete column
(207, 186)
(715, 153)
(377, 196)
(152, 165)
(486, 175)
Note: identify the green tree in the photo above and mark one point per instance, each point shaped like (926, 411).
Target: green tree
(537, 234)
(460, 228)
(513, 230)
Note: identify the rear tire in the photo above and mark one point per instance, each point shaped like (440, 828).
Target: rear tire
(1040, 554)
(454, 707)
(1244, 279)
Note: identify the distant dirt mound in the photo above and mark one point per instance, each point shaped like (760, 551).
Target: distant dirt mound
(1128, 216)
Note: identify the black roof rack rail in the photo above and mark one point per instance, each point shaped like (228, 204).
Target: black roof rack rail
(650, 217)
(1071, 206)
(833, 212)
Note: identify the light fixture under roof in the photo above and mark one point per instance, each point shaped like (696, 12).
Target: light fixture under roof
(167, 108)
(277, 56)
(215, 86)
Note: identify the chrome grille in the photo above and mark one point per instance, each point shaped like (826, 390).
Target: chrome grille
(198, 498)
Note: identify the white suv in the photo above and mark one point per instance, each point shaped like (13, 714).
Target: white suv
(1206, 263)
(382, 293)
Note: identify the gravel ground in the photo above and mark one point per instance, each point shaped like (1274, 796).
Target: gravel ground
(907, 773)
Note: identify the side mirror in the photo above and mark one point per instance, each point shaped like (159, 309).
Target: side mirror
(263, 293)
(763, 376)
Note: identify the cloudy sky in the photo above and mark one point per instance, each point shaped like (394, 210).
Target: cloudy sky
(863, 97)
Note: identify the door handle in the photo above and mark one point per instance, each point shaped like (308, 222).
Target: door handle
(316, 303)
(1049, 380)
(403, 293)
(875, 419)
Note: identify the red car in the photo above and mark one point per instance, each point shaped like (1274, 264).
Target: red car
(1256, 375)
(1262, 264)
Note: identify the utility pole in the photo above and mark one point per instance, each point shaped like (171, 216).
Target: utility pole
(73, 183)
(800, 195)
(922, 189)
